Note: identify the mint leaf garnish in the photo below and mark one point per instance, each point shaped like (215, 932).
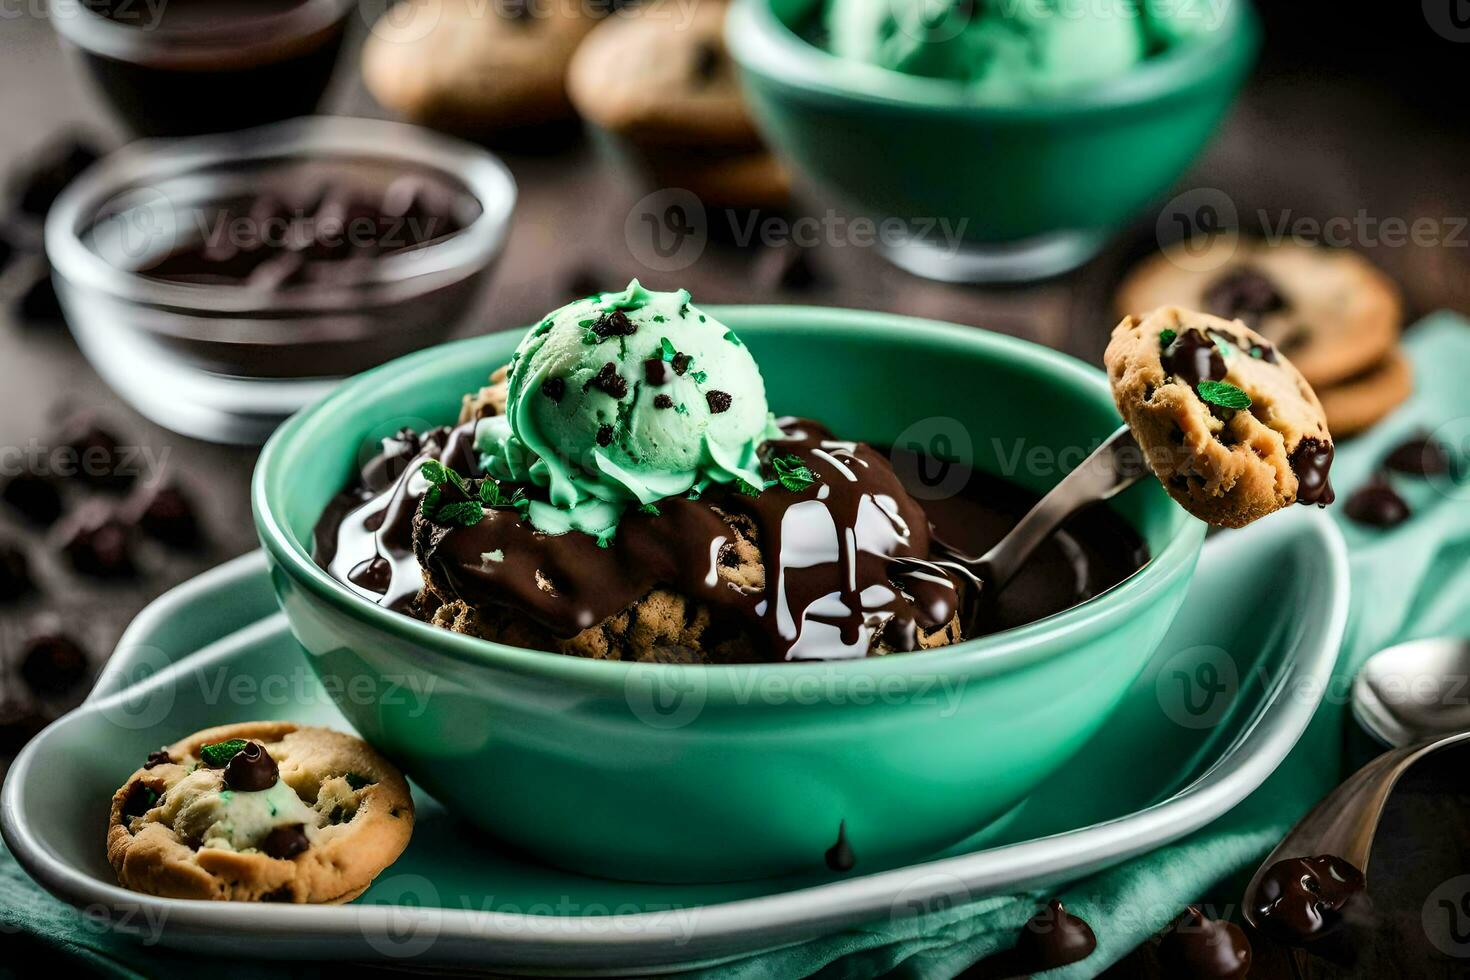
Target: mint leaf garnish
(493, 495)
(792, 473)
(1167, 337)
(1224, 394)
(219, 754)
(466, 513)
(651, 509)
(748, 489)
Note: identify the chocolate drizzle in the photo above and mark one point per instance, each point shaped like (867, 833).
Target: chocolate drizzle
(1302, 899)
(1193, 357)
(1310, 461)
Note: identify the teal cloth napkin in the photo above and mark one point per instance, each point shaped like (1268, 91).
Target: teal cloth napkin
(1408, 582)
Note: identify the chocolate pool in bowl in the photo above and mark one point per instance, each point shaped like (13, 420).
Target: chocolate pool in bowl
(743, 770)
(184, 67)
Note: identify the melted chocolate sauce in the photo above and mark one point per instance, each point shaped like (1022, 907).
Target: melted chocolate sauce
(828, 549)
(1198, 946)
(1302, 899)
(1311, 461)
(1193, 357)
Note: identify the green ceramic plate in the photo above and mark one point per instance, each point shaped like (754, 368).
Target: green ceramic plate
(1264, 616)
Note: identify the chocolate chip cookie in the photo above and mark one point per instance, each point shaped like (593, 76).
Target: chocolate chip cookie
(1359, 402)
(1329, 310)
(1226, 422)
(476, 68)
(259, 812)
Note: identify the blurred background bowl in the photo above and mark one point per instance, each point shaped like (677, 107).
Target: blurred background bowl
(228, 363)
(1032, 189)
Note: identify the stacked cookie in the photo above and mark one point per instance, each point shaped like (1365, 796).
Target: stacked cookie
(654, 77)
(1332, 313)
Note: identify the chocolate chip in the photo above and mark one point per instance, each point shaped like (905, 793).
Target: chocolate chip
(662, 401)
(1193, 357)
(140, 800)
(1377, 504)
(34, 496)
(43, 178)
(99, 545)
(707, 62)
(1311, 461)
(1198, 946)
(655, 372)
(1244, 294)
(15, 573)
(719, 401)
(1054, 938)
(251, 769)
(38, 303)
(608, 381)
(680, 363)
(1420, 456)
(840, 856)
(785, 266)
(97, 455)
(7, 252)
(166, 514)
(614, 324)
(158, 758)
(604, 435)
(285, 842)
(554, 388)
(53, 664)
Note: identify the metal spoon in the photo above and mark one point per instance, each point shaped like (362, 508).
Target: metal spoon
(1410, 696)
(1415, 691)
(1113, 467)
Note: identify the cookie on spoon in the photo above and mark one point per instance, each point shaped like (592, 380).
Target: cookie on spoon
(1225, 421)
(1328, 309)
(259, 812)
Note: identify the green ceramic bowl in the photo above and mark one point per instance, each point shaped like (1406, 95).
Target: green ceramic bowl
(1041, 183)
(704, 773)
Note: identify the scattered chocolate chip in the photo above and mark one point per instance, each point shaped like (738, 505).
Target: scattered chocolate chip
(166, 514)
(1420, 456)
(719, 401)
(38, 303)
(1244, 294)
(662, 401)
(608, 381)
(614, 324)
(36, 497)
(140, 800)
(554, 388)
(680, 363)
(1311, 461)
(20, 721)
(96, 454)
(707, 62)
(655, 372)
(604, 435)
(1302, 899)
(1053, 938)
(158, 758)
(42, 179)
(53, 664)
(285, 842)
(98, 544)
(251, 769)
(1198, 946)
(15, 573)
(785, 266)
(839, 856)
(1378, 504)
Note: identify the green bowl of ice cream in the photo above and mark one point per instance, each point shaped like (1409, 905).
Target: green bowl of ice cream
(617, 463)
(1007, 139)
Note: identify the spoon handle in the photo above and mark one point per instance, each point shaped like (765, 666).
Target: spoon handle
(1344, 823)
(1113, 467)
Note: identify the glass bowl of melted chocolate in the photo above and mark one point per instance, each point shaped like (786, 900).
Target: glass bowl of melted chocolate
(220, 283)
(635, 569)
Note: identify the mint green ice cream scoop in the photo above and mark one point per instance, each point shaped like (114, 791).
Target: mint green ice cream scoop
(623, 399)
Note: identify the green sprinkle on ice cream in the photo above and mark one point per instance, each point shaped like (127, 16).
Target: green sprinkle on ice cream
(621, 399)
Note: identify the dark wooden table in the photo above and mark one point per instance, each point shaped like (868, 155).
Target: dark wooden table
(1326, 130)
